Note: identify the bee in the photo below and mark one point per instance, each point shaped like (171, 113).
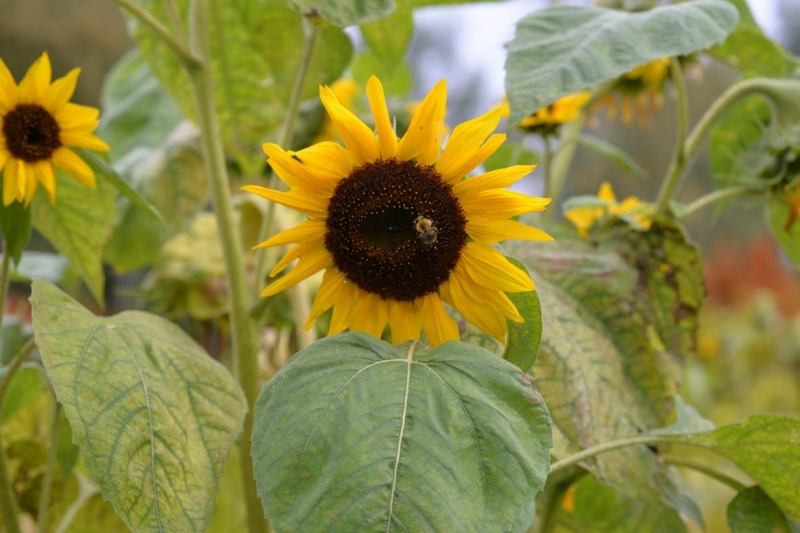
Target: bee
(426, 230)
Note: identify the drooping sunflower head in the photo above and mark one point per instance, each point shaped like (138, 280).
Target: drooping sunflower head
(546, 120)
(398, 228)
(640, 92)
(37, 125)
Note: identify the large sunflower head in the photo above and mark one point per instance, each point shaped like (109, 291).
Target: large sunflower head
(37, 125)
(397, 227)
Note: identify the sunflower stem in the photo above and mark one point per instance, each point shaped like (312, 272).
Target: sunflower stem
(174, 15)
(713, 197)
(676, 168)
(8, 507)
(245, 362)
(49, 473)
(298, 294)
(735, 485)
(607, 447)
(562, 159)
(189, 60)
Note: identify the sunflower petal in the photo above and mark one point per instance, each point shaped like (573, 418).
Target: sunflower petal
(32, 184)
(36, 82)
(309, 265)
(465, 141)
(491, 231)
(496, 179)
(8, 89)
(310, 230)
(68, 160)
(4, 156)
(83, 139)
(607, 193)
(10, 182)
(75, 116)
(423, 137)
(472, 159)
(439, 327)
(327, 159)
(480, 312)
(305, 203)
(59, 93)
(293, 253)
(489, 268)
(327, 295)
(387, 139)
(357, 136)
(405, 321)
(296, 174)
(370, 315)
(47, 177)
(500, 204)
(23, 175)
(343, 309)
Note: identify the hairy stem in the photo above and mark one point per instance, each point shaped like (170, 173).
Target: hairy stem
(49, 473)
(562, 159)
(713, 197)
(243, 337)
(8, 507)
(675, 172)
(607, 447)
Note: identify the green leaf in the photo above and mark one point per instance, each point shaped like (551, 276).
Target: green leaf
(137, 110)
(753, 53)
(396, 81)
(345, 12)
(688, 420)
(354, 434)
(389, 38)
(79, 226)
(614, 153)
(510, 154)
(524, 338)
(753, 511)
(27, 385)
(256, 50)
(154, 415)
(15, 227)
(565, 49)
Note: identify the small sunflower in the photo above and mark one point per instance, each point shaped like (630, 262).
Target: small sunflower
(641, 92)
(546, 120)
(37, 124)
(631, 209)
(396, 226)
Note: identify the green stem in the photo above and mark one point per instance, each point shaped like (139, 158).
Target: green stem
(298, 294)
(678, 164)
(174, 15)
(4, 282)
(49, 473)
(85, 493)
(607, 447)
(713, 197)
(700, 467)
(243, 338)
(562, 159)
(189, 60)
(8, 507)
(547, 165)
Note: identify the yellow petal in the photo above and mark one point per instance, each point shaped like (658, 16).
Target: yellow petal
(59, 93)
(327, 295)
(296, 174)
(473, 158)
(370, 315)
(405, 321)
(293, 253)
(377, 103)
(423, 137)
(46, 176)
(310, 205)
(74, 116)
(584, 218)
(606, 193)
(480, 313)
(309, 265)
(23, 175)
(496, 179)
(492, 231)
(326, 159)
(33, 87)
(8, 89)
(4, 156)
(32, 183)
(68, 160)
(10, 187)
(501, 204)
(464, 142)
(343, 309)
(439, 326)
(489, 268)
(310, 230)
(358, 138)
(83, 139)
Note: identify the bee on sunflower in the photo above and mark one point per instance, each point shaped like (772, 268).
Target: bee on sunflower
(396, 225)
(38, 124)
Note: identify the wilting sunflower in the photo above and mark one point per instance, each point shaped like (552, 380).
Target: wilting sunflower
(546, 120)
(640, 91)
(397, 227)
(37, 124)
(631, 209)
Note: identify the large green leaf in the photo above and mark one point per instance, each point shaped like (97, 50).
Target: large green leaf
(354, 434)
(598, 368)
(172, 179)
(346, 12)
(752, 52)
(564, 49)
(154, 415)
(256, 50)
(524, 338)
(389, 38)
(79, 226)
(753, 511)
(15, 228)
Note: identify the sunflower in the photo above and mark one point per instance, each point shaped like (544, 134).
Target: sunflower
(631, 209)
(546, 120)
(38, 123)
(396, 226)
(641, 92)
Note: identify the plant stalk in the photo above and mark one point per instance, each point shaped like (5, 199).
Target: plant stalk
(676, 168)
(243, 337)
(8, 507)
(713, 197)
(562, 159)
(735, 485)
(49, 473)
(607, 447)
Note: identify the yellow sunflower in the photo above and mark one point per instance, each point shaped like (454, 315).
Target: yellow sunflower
(547, 119)
(641, 92)
(37, 124)
(397, 227)
(631, 209)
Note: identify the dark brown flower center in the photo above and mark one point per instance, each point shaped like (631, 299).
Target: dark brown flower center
(395, 229)
(31, 133)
